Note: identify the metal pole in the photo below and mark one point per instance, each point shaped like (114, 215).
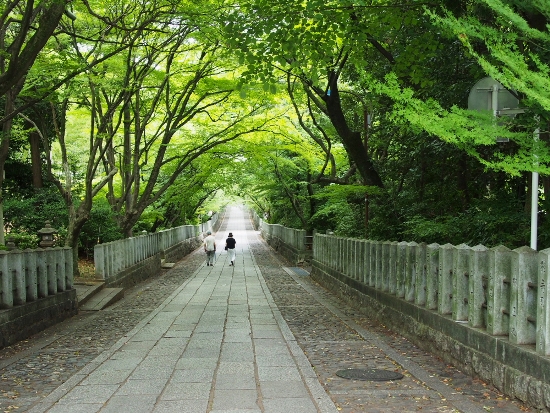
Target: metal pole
(534, 208)
(494, 100)
(534, 200)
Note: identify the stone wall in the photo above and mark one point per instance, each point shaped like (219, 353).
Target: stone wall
(20, 322)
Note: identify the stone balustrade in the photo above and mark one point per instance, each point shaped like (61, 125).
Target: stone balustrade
(27, 275)
(499, 290)
(485, 310)
(126, 261)
(36, 291)
(113, 257)
(291, 243)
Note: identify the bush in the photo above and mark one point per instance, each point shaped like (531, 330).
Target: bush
(27, 215)
(23, 240)
(100, 228)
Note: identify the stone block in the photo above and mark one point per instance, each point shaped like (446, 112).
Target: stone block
(400, 273)
(523, 295)
(461, 282)
(432, 276)
(21, 321)
(410, 270)
(392, 268)
(543, 304)
(445, 279)
(478, 287)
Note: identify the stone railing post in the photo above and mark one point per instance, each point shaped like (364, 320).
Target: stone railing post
(60, 269)
(363, 261)
(386, 265)
(379, 275)
(41, 273)
(16, 270)
(371, 282)
(392, 268)
(499, 289)
(543, 304)
(401, 269)
(52, 274)
(341, 254)
(69, 276)
(410, 270)
(348, 257)
(432, 276)
(479, 282)
(523, 296)
(445, 283)
(366, 262)
(420, 281)
(99, 261)
(461, 282)
(333, 252)
(31, 279)
(6, 282)
(357, 258)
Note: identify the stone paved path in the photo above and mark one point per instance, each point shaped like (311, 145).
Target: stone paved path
(204, 359)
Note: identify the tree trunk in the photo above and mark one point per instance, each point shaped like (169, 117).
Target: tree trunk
(4, 149)
(77, 219)
(34, 140)
(352, 140)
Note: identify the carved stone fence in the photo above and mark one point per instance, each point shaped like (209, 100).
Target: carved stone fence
(36, 291)
(128, 261)
(293, 244)
(484, 309)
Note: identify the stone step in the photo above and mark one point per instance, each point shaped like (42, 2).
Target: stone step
(166, 265)
(103, 298)
(86, 290)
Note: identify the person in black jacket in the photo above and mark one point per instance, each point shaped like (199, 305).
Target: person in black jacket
(230, 243)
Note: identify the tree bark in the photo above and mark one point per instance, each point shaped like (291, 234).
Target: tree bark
(352, 140)
(36, 163)
(22, 55)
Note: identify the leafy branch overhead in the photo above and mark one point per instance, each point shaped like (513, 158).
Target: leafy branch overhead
(350, 116)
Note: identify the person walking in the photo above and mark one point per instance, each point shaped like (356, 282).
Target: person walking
(230, 243)
(210, 248)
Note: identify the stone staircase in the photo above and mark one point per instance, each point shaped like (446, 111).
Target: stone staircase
(94, 296)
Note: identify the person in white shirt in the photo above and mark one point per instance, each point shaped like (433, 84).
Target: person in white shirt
(210, 248)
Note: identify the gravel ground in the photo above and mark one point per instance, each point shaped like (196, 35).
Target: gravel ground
(33, 368)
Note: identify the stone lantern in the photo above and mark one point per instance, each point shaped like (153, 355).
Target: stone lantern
(10, 243)
(46, 236)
